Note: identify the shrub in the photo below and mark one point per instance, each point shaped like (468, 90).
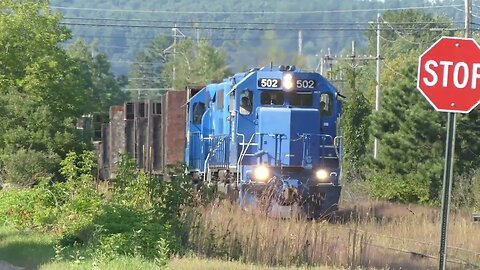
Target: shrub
(27, 208)
(466, 190)
(26, 167)
(398, 188)
(142, 218)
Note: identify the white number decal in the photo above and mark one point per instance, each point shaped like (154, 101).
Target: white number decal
(305, 84)
(269, 83)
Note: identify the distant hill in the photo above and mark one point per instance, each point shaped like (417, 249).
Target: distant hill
(248, 30)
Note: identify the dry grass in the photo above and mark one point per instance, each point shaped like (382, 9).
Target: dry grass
(374, 234)
(212, 264)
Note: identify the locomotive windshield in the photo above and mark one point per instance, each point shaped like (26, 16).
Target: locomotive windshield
(301, 99)
(272, 98)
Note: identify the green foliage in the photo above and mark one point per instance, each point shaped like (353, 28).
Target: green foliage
(194, 64)
(141, 218)
(411, 140)
(29, 208)
(355, 125)
(103, 88)
(411, 134)
(42, 90)
(466, 190)
(26, 167)
(398, 188)
(149, 64)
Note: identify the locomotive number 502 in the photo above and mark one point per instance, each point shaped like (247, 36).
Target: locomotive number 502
(269, 83)
(306, 84)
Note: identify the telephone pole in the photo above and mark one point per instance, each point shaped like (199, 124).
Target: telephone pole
(300, 41)
(377, 58)
(377, 86)
(176, 33)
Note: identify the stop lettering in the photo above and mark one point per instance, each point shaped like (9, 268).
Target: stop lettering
(449, 74)
(463, 75)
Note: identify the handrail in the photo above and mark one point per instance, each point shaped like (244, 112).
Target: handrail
(242, 155)
(207, 159)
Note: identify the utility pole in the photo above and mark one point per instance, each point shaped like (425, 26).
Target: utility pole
(174, 52)
(300, 41)
(197, 32)
(377, 86)
(176, 33)
(468, 18)
(353, 58)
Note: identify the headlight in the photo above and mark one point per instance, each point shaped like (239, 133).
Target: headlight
(261, 173)
(322, 175)
(287, 82)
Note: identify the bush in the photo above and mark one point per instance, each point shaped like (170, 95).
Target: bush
(142, 218)
(26, 167)
(398, 188)
(27, 208)
(466, 191)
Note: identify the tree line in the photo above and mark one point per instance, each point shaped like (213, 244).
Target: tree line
(241, 28)
(44, 89)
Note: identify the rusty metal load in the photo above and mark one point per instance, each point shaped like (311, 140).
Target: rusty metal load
(150, 131)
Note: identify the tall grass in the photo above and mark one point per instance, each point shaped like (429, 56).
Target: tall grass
(368, 235)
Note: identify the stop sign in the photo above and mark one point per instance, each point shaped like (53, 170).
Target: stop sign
(449, 74)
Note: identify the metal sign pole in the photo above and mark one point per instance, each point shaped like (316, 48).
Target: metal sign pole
(447, 186)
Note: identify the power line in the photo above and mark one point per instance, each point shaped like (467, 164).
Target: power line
(216, 38)
(215, 27)
(231, 27)
(239, 22)
(175, 12)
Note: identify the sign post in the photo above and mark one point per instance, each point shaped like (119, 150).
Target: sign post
(447, 187)
(449, 78)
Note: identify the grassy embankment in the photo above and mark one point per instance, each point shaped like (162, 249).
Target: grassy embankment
(369, 234)
(376, 235)
(33, 250)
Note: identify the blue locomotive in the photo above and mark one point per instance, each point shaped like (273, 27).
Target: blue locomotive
(269, 139)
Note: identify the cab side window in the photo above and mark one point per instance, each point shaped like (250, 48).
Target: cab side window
(246, 102)
(326, 105)
(198, 111)
(220, 99)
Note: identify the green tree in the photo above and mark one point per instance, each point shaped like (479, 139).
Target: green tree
(42, 90)
(146, 72)
(411, 134)
(356, 129)
(194, 64)
(103, 87)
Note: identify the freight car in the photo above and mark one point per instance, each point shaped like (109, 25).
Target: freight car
(268, 138)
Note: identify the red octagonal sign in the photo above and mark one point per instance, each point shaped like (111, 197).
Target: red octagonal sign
(449, 74)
